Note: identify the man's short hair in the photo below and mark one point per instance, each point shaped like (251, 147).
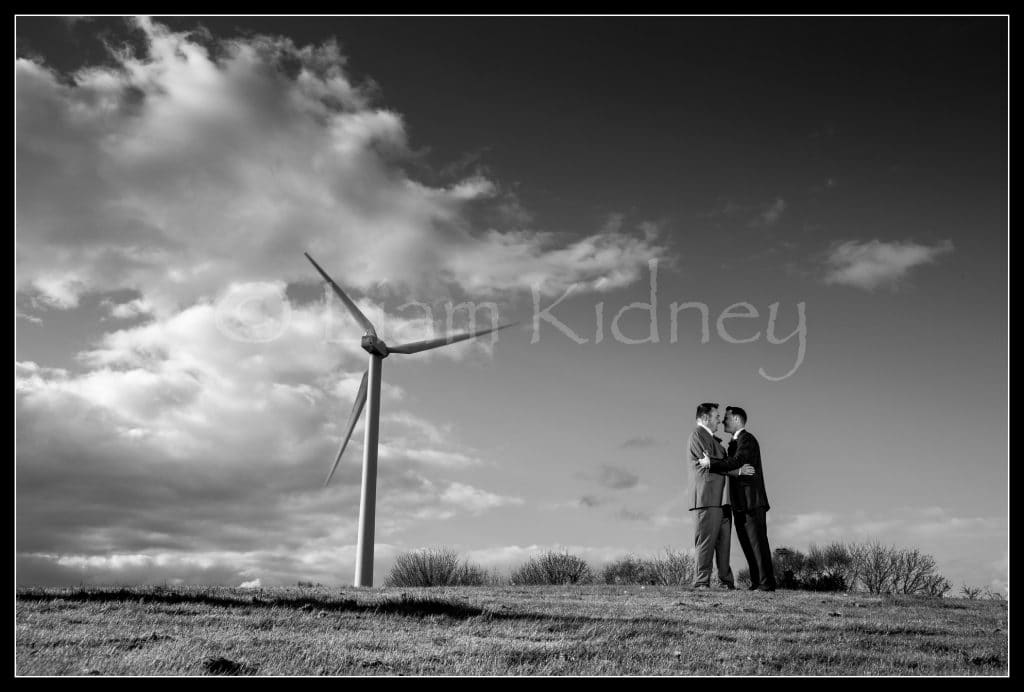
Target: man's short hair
(705, 409)
(737, 411)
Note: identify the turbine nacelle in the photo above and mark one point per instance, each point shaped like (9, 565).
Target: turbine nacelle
(374, 346)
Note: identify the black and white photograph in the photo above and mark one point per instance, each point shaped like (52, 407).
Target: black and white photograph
(511, 346)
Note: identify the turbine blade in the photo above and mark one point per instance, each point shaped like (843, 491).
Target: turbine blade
(357, 409)
(417, 346)
(360, 317)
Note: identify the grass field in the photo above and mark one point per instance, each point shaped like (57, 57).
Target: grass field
(571, 630)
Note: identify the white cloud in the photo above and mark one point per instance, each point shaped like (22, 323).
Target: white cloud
(773, 212)
(476, 187)
(908, 524)
(433, 457)
(114, 562)
(873, 264)
(1001, 567)
(190, 388)
(177, 174)
(321, 562)
(809, 527)
(503, 556)
(28, 374)
(435, 433)
(133, 308)
(28, 318)
(474, 499)
(521, 259)
(218, 443)
(515, 555)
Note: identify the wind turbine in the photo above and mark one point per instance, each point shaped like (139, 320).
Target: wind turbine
(370, 384)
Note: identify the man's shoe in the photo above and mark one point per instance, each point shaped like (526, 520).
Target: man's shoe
(727, 587)
(701, 586)
(752, 587)
(765, 588)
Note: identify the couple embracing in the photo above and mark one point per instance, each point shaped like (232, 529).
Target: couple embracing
(728, 487)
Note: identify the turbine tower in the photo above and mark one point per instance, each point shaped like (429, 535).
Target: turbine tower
(370, 385)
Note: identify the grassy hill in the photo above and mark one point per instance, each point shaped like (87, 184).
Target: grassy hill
(570, 630)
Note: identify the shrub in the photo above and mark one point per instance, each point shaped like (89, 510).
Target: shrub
(743, 578)
(824, 582)
(936, 585)
(468, 574)
(971, 592)
(891, 570)
(789, 565)
(832, 565)
(494, 577)
(627, 570)
(553, 568)
(876, 564)
(913, 571)
(434, 567)
(827, 568)
(675, 568)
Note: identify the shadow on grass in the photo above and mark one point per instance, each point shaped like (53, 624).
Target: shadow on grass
(910, 601)
(894, 630)
(406, 606)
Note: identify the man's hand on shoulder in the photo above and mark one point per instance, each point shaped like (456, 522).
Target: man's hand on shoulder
(705, 461)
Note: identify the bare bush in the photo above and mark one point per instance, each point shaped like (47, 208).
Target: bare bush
(434, 567)
(789, 565)
(815, 571)
(553, 568)
(626, 570)
(871, 567)
(674, 568)
(891, 570)
(936, 585)
(832, 567)
(876, 564)
(971, 592)
(468, 574)
(912, 571)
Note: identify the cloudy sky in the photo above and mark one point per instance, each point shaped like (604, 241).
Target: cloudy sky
(804, 217)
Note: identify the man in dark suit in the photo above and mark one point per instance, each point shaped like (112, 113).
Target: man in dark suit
(710, 499)
(748, 497)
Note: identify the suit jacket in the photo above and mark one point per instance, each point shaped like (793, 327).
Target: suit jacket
(745, 492)
(707, 488)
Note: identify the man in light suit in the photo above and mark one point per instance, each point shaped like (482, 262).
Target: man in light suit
(710, 500)
(748, 498)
